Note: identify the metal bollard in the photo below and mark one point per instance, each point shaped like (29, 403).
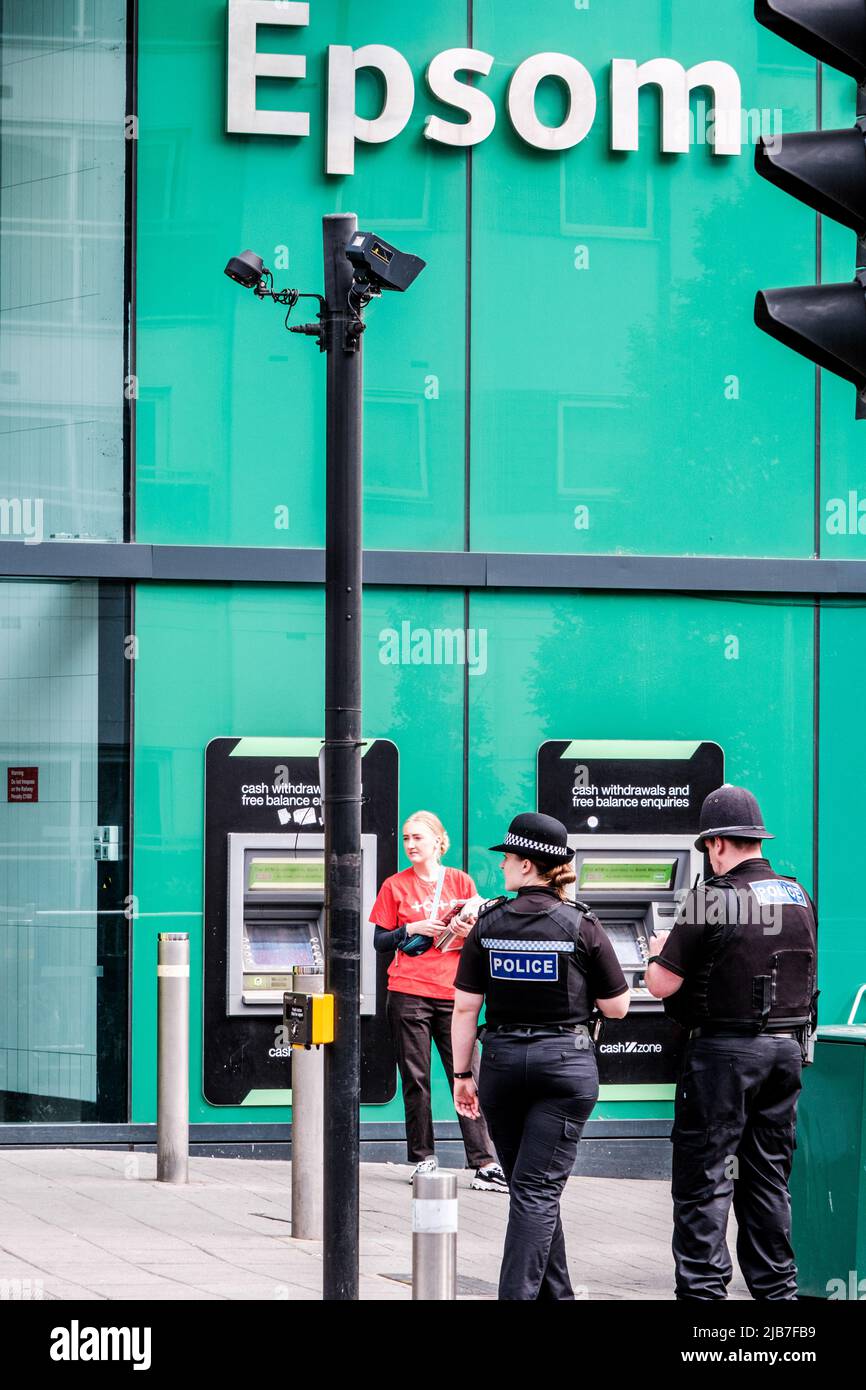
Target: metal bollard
(308, 1117)
(172, 1079)
(434, 1236)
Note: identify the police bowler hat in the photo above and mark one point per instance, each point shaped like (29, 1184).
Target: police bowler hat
(731, 810)
(537, 837)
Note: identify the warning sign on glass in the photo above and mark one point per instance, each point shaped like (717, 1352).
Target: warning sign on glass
(22, 784)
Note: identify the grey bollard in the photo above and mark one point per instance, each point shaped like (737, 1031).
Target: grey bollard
(308, 1117)
(172, 1068)
(434, 1236)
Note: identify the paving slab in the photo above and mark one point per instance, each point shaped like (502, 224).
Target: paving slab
(95, 1224)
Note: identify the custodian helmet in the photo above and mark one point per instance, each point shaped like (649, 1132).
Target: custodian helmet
(731, 810)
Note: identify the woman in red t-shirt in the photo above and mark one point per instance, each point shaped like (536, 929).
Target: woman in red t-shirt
(407, 915)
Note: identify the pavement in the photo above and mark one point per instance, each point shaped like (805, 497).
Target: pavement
(95, 1224)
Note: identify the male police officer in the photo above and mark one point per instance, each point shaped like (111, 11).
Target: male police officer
(738, 970)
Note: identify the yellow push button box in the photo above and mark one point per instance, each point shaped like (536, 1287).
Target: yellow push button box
(308, 1019)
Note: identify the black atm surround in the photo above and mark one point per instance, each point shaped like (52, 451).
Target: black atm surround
(645, 1047)
(636, 799)
(236, 1050)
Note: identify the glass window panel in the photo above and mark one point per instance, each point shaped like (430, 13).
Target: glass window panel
(62, 192)
(63, 929)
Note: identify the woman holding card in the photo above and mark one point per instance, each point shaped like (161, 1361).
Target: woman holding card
(409, 916)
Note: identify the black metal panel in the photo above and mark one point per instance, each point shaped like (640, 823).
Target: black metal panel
(239, 1053)
(75, 560)
(83, 1135)
(454, 569)
(204, 564)
(676, 573)
(113, 876)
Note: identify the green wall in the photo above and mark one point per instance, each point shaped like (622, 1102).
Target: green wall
(611, 388)
(621, 401)
(223, 661)
(843, 775)
(637, 387)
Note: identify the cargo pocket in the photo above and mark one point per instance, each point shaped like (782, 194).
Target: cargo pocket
(562, 1156)
(775, 1145)
(690, 1108)
(690, 1179)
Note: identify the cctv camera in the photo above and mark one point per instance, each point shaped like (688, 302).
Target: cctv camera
(247, 269)
(379, 266)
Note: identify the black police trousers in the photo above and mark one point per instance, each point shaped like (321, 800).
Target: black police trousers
(733, 1137)
(536, 1093)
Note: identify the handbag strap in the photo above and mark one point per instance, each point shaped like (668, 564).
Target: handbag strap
(437, 892)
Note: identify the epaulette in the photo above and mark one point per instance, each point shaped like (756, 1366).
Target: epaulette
(491, 903)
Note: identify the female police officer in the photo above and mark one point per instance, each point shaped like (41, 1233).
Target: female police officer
(541, 963)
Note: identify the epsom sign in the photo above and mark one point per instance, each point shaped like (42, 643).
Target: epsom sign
(345, 127)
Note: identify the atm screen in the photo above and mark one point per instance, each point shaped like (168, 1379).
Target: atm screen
(631, 875)
(280, 872)
(277, 948)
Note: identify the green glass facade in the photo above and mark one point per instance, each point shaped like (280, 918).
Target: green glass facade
(576, 372)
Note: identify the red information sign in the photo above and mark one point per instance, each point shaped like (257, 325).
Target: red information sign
(22, 784)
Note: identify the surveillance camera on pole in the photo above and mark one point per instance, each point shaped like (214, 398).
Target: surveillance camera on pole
(358, 267)
(247, 269)
(381, 266)
(826, 169)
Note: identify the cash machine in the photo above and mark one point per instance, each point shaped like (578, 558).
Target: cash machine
(264, 899)
(276, 903)
(633, 884)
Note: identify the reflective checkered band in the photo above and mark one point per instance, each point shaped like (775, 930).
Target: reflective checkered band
(493, 943)
(539, 845)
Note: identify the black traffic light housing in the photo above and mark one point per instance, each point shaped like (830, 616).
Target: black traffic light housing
(833, 31)
(826, 170)
(826, 323)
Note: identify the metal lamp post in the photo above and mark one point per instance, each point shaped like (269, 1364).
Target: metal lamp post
(358, 266)
(342, 782)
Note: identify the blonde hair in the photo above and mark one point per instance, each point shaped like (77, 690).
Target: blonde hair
(436, 828)
(557, 876)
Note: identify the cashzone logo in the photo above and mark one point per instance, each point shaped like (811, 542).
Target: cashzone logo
(345, 128)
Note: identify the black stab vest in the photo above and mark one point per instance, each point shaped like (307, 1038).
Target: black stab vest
(759, 971)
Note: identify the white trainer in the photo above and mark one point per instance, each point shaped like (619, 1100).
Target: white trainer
(427, 1165)
(490, 1178)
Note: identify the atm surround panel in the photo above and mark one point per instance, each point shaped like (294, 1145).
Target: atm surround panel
(276, 918)
(632, 883)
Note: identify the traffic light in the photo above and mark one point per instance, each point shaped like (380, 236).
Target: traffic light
(827, 170)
